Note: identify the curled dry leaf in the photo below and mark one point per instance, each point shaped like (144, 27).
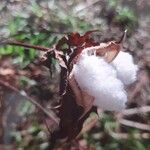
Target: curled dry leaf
(82, 98)
(107, 50)
(110, 50)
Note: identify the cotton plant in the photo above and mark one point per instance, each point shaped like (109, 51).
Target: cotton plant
(92, 75)
(97, 76)
(104, 81)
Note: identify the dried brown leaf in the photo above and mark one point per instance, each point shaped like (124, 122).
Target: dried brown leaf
(108, 50)
(82, 98)
(76, 105)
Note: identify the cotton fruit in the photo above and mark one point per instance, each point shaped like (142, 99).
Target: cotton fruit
(126, 70)
(105, 81)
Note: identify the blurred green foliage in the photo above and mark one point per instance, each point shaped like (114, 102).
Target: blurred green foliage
(124, 16)
(22, 28)
(101, 137)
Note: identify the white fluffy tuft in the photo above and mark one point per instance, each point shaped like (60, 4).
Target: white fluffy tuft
(126, 70)
(99, 79)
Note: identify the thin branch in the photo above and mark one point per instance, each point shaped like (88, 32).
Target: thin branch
(126, 135)
(48, 113)
(17, 43)
(132, 111)
(89, 124)
(134, 124)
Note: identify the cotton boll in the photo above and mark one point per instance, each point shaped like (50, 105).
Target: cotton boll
(112, 99)
(89, 71)
(98, 79)
(126, 69)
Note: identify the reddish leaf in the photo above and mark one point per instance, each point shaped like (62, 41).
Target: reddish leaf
(108, 50)
(89, 32)
(74, 39)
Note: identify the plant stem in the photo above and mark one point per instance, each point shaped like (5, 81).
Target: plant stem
(17, 43)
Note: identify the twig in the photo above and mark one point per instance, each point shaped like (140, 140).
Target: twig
(89, 124)
(17, 43)
(48, 113)
(133, 111)
(134, 124)
(126, 135)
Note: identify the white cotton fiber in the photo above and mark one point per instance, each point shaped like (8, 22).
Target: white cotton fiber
(99, 79)
(126, 69)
